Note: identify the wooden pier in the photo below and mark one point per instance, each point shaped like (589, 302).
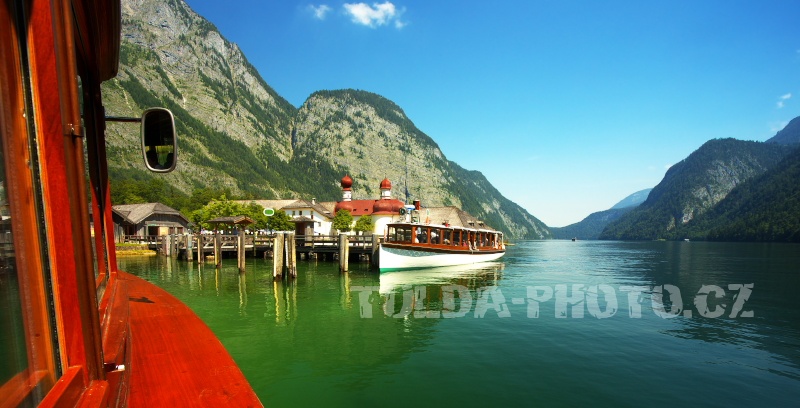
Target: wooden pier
(284, 247)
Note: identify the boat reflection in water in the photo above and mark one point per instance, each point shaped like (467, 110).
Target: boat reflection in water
(470, 275)
(447, 291)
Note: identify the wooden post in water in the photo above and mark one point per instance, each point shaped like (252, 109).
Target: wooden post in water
(167, 245)
(344, 252)
(373, 257)
(175, 245)
(240, 250)
(291, 255)
(217, 248)
(277, 255)
(200, 253)
(189, 247)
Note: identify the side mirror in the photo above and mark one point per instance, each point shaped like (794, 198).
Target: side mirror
(159, 142)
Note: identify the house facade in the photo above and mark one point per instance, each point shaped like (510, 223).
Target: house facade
(149, 219)
(310, 217)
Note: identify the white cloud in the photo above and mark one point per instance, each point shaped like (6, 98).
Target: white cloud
(378, 14)
(782, 100)
(319, 11)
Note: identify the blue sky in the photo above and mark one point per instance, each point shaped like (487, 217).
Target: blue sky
(565, 106)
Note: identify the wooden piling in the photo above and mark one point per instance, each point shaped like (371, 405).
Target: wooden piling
(373, 258)
(291, 255)
(344, 252)
(217, 248)
(277, 255)
(200, 254)
(240, 250)
(189, 247)
(167, 245)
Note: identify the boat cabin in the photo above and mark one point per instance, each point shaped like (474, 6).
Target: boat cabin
(443, 236)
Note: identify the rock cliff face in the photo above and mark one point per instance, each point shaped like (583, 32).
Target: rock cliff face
(236, 132)
(372, 138)
(172, 57)
(695, 185)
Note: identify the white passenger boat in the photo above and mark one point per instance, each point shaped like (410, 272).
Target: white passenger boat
(410, 245)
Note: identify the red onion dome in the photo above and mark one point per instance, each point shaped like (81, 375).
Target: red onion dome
(387, 206)
(343, 205)
(347, 182)
(382, 206)
(386, 184)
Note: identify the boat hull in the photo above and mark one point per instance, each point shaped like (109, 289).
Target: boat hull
(392, 258)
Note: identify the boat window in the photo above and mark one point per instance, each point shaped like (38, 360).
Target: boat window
(99, 257)
(28, 347)
(422, 235)
(399, 234)
(436, 236)
(447, 237)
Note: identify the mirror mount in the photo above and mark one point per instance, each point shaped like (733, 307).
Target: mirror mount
(159, 140)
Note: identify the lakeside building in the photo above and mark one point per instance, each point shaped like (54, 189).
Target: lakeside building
(316, 218)
(148, 219)
(383, 210)
(310, 217)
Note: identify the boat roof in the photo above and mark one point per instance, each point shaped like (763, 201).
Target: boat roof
(441, 226)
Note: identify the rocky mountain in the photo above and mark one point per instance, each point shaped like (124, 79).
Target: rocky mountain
(594, 224)
(694, 186)
(764, 208)
(789, 135)
(236, 134)
(370, 137)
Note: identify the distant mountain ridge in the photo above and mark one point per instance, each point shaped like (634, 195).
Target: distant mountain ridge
(694, 186)
(594, 224)
(633, 200)
(237, 134)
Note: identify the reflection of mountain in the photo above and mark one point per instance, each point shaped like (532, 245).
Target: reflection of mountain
(691, 265)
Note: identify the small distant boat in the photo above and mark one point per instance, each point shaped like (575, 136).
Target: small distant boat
(411, 245)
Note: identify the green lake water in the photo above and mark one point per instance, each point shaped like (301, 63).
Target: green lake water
(556, 323)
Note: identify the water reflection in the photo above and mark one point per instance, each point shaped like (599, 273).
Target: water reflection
(284, 295)
(309, 342)
(471, 276)
(242, 293)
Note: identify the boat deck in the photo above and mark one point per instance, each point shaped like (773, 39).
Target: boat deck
(176, 360)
